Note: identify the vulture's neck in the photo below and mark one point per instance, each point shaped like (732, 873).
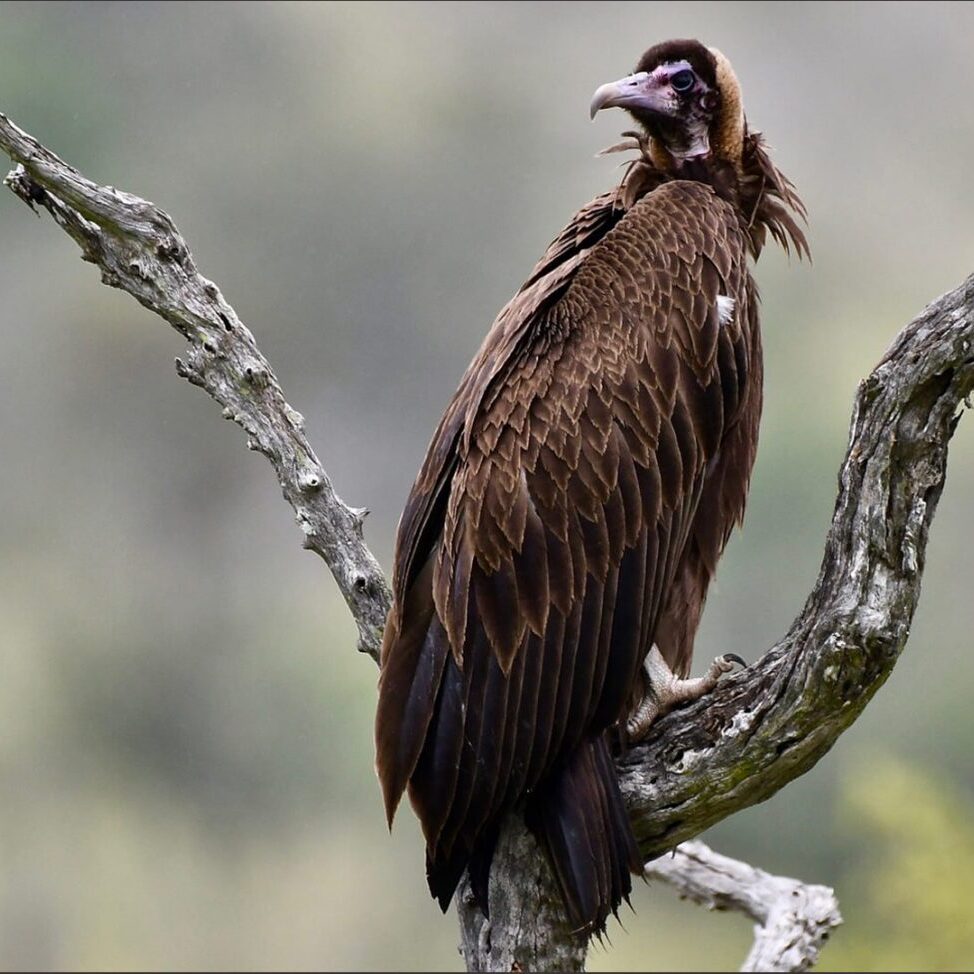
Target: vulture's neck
(764, 199)
(658, 166)
(718, 173)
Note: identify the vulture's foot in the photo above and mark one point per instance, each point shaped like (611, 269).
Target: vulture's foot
(664, 690)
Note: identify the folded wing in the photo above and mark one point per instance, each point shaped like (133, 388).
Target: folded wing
(554, 512)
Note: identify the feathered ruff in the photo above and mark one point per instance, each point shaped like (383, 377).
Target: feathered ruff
(765, 197)
(770, 198)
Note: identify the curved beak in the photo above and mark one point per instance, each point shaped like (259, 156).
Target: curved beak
(633, 91)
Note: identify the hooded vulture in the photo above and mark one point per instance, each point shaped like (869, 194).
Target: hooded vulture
(555, 551)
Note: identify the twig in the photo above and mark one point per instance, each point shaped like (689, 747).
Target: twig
(792, 920)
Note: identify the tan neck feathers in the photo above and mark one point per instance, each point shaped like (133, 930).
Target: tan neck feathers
(728, 142)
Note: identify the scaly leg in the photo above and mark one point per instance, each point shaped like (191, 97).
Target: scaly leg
(664, 690)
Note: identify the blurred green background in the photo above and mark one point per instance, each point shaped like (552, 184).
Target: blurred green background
(185, 729)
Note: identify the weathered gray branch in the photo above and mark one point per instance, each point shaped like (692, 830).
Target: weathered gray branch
(758, 730)
(139, 250)
(772, 722)
(792, 920)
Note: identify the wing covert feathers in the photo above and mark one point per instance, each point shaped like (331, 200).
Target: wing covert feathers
(570, 511)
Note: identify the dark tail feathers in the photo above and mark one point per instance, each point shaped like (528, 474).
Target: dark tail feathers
(579, 817)
(580, 820)
(443, 873)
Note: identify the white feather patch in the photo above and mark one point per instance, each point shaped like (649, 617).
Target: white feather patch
(725, 309)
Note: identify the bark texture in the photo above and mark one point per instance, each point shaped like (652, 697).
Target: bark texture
(758, 730)
(792, 920)
(771, 723)
(139, 250)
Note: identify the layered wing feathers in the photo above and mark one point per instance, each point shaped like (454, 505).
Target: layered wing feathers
(556, 508)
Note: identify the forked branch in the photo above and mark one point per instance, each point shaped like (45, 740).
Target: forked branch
(699, 764)
(792, 920)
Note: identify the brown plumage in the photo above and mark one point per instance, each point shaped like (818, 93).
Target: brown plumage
(578, 493)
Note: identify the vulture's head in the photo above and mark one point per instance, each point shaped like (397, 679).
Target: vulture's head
(687, 99)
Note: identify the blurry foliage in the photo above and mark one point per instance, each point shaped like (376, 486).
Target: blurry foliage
(185, 729)
(909, 890)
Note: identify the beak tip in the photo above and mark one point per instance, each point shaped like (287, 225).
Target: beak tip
(616, 94)
(599, 100)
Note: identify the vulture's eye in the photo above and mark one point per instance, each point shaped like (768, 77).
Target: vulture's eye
(682, 80)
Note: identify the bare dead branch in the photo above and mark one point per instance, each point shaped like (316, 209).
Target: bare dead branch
(702, 762)
(792, 920)
(771, 723)
(139, 250)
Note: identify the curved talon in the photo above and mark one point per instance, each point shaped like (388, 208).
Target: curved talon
(734, 658)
